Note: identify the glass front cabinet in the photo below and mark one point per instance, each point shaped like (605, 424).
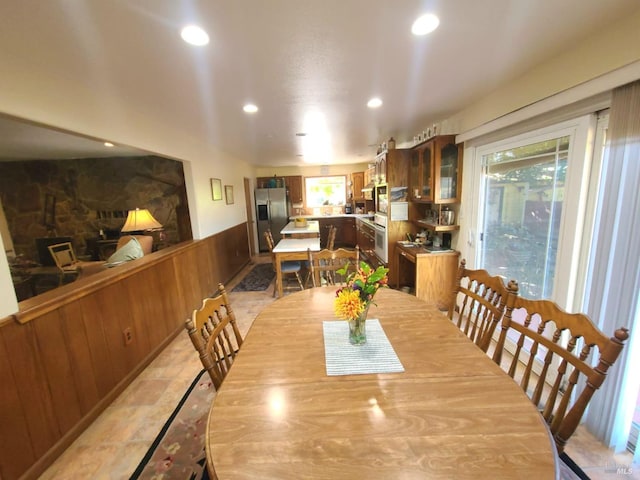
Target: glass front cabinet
(436, 171)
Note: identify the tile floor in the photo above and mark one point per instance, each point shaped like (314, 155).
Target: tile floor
(114, 444)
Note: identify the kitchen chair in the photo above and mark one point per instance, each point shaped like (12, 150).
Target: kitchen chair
(215, 335)
(331, 238)
(325, 264)
(288, 267)
(65, 259)
(553, 356)
(478, 303)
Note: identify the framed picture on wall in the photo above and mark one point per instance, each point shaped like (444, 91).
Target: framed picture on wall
(216, 189)
(228, 192)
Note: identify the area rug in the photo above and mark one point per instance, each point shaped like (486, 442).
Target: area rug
(257, 279)
(178, 450)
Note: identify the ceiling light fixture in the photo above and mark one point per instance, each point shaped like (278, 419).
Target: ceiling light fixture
(194, 35)
(108, 144)
(374, 103)
(250, 108)
(425, 24)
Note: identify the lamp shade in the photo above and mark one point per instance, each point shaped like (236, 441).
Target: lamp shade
(140, 220)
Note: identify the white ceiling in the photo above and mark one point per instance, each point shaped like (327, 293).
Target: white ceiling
(290, 57)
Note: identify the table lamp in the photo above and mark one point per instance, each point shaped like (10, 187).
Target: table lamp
(140, 221)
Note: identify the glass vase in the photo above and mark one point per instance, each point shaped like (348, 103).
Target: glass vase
(357, 328)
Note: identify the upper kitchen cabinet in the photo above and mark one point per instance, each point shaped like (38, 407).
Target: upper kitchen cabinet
(392, 167)
(421, 173)
(294, 188)
(357, 184)
(436, 171)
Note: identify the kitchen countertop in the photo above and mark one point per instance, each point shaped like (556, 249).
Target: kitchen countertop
(338, 215)
(291, 228)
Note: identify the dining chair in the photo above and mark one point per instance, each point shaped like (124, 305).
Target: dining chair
(478, 303)
(65, 259)
(331, 238)
(288, 267)
(324, 265)
(214, 333)
(559, 359)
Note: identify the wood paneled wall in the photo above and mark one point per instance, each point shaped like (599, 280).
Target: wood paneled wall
(63, 357)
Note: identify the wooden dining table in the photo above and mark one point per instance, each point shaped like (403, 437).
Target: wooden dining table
(292, 249)
(452, 413)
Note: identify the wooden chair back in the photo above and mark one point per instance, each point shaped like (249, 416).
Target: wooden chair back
(552, 353)
(215, 335)
(63, 255)
(331, 239)
(478, 303)
(326, 263)
(65, 258)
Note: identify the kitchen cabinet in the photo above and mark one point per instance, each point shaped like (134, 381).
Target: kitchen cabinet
(381, 168)
(432, 275)
(294, 188)
(421, 173)
(357, 184)
(345, 231)
(436, 171)
(365, 239)
(395, 164)
(270, 182)
(435, 181)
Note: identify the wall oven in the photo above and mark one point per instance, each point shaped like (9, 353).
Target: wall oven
(380, 224)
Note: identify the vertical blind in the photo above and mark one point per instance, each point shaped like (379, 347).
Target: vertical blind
(614, 279)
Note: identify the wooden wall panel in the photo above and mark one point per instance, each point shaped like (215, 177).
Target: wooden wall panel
(63, 356)
(55, 362)
(31, 386)
(75, 338)
(92, 318)
(16, 451)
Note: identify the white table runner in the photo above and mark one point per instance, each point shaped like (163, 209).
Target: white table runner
(342, 358)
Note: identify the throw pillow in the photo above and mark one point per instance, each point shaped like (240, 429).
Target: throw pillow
(129, 251)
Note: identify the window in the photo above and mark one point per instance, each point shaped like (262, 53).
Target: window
(524, 192)
(531, 209)
(326, 191)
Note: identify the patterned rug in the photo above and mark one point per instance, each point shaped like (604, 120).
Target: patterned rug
(178, 450)
(257, 279)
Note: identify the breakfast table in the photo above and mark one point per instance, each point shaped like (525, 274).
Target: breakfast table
(440, 409)
(292, 249)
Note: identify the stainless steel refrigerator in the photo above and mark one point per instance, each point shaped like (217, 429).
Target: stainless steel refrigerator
(271, 213)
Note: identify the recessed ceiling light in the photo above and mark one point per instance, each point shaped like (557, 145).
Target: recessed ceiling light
(425, 24)
(108, 144)
(250, 108)
(194, 35)
(374, 103)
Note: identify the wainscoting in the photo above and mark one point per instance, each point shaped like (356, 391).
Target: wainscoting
(64, 357)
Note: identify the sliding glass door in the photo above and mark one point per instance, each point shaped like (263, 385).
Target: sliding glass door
(523, 198)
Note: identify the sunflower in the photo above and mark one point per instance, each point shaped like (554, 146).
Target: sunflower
(348, 304)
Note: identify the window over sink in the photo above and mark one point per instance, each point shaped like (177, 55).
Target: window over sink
(326, 191)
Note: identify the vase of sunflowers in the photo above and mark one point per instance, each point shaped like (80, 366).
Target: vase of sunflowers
(354, 299)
